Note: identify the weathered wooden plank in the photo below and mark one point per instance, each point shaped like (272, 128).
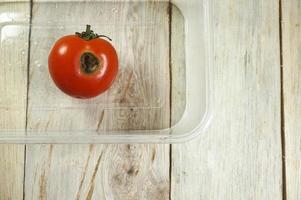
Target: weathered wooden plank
(11, 174)
(140, 33)
(13, 89)
(178, 68)
(240, 156)
(291, 30)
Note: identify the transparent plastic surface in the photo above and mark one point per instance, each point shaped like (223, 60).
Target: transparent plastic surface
(162, 92)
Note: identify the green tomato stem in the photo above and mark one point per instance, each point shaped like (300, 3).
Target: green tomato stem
(90, 35)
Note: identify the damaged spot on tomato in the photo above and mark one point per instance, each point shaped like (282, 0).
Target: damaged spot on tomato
(89, 63)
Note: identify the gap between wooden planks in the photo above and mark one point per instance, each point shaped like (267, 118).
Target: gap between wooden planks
(291, 43)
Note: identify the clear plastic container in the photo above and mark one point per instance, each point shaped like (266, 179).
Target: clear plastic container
(163, 90)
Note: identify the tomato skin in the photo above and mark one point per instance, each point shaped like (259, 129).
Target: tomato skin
(64, 63)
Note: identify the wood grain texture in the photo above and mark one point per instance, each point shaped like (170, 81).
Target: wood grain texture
(97, 172)
(178, 67)
(101, 171)
(291, 41)
(11, 174)
(14, 19)
(240, 157)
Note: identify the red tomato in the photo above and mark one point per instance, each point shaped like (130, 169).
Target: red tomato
(83, 65)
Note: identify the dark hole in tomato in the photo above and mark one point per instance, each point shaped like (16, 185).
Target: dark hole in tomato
(89, 63)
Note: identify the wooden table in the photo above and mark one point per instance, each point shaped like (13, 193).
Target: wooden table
(251, 151)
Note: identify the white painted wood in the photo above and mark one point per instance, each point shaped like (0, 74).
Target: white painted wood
(101, 171)
(13, 84)
(240, 156)
(11, 171)
(178, 91)
(13, 65)
(97, 172)
(292, 95)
